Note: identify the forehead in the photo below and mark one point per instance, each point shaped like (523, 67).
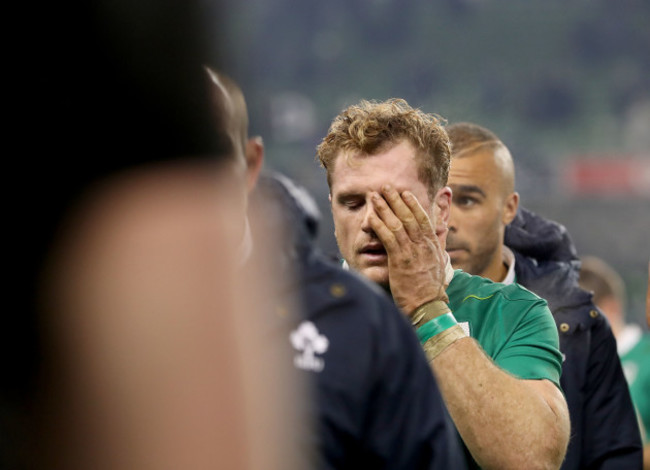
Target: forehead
(397, 166)
(480, 168)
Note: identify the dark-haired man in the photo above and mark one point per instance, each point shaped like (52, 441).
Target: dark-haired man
(490, 236)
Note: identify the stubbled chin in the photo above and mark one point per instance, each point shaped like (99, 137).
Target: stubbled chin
(378, 274)
(456, 261)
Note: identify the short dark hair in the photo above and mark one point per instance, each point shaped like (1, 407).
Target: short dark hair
(466, 135)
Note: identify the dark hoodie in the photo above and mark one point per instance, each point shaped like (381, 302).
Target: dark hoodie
(604, 429)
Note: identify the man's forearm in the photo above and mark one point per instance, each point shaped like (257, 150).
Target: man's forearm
(505, 422)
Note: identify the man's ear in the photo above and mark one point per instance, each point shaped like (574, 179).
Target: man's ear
(254, 161)
(442, 208)
(510, 206)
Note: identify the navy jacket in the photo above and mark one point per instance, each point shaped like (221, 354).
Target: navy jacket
(375, 401)
(604, 429)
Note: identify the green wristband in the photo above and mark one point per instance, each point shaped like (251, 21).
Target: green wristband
(436, 326)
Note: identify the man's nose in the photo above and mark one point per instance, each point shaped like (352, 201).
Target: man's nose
(367, 209)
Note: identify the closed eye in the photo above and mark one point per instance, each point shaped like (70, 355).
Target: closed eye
(352, 203)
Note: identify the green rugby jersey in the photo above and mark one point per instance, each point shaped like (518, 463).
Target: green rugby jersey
(636, 365)
(513, 325)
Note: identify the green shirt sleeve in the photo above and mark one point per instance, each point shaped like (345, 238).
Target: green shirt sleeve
(532, 350)
(513, 326)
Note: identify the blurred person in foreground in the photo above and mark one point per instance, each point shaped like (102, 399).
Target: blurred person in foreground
(148, 360)
(632, 342)
(127, 347)
(493, 348)
(491, 236)
(374, 402)
(151, 363)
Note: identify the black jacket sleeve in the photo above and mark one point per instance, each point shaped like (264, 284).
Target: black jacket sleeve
(604, 428)
(606, 424)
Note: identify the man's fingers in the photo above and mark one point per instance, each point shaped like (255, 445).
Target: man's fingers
(425, 224)
(386, 236)
(392, 223)
(403, 212)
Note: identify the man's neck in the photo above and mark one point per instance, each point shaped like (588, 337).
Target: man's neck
(503, 271)
(508, 258)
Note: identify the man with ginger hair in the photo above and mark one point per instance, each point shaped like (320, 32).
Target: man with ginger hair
(493, 348)
(491, 236)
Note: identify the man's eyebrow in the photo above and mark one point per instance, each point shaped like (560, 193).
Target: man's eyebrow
(345, 195)
(466, 188)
